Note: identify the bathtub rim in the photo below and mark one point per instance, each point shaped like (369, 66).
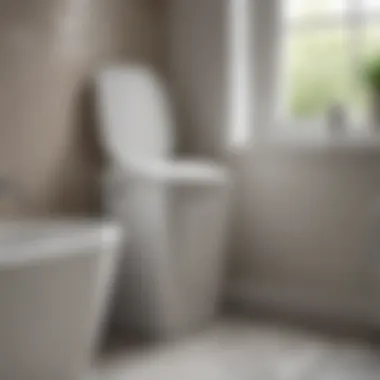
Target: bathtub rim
(68, 238)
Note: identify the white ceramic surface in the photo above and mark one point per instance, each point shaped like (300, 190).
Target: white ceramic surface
(135, 114)
(175, 210)
(54, 280)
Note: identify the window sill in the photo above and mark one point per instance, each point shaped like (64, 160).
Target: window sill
(294, 139)
(367, 142)
(310, 135)
(316, 134)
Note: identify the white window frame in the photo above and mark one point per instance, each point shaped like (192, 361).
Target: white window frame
(246, 36)
(239, 73)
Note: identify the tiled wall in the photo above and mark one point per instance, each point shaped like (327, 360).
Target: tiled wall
(48, 50)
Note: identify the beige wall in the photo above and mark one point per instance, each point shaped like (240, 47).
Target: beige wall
(309, 211)
(309, 231)
(198, 65)
(48, 49)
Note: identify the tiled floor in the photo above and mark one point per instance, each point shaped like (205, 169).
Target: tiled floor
(242, 350)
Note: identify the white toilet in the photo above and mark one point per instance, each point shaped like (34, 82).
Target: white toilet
(174, 211)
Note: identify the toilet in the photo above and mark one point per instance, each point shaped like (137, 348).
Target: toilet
(174, 211)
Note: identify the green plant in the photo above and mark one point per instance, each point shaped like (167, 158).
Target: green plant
(371, 73)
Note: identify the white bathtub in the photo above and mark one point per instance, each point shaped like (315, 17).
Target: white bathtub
(55, 277)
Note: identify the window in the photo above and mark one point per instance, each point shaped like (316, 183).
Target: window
(327, 42)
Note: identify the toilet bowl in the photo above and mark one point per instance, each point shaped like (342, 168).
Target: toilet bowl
(175, 210)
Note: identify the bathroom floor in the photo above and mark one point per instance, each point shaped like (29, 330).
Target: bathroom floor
(236, 349)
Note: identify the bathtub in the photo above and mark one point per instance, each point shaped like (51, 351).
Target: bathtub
(55, 279)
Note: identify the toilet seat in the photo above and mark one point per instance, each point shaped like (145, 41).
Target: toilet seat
(179, 171)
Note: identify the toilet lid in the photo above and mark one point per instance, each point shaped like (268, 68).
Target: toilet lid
(135, 114)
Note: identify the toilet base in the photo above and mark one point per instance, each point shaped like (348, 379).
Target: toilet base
(170, 280)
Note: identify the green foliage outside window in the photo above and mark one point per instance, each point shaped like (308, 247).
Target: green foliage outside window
(325, 65)
(319, 71)
(371, 73)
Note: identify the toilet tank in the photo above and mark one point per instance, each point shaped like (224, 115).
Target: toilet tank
(136, 119)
